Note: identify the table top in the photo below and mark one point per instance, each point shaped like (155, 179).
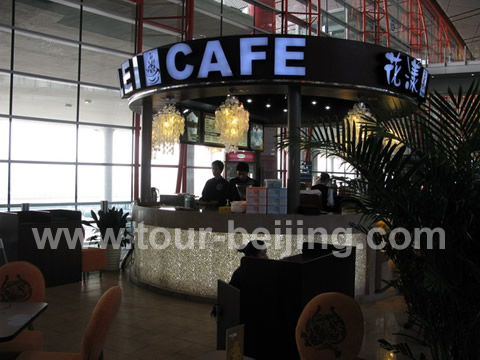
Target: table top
(14, 317)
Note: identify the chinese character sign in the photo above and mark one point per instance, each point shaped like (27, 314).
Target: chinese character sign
(406, 74)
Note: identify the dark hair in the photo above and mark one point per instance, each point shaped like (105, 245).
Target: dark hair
(252, 248)
(243, 166)
(324, 176)
(218, 164)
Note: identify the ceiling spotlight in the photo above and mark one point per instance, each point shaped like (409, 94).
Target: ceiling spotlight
(327, 107)
(87, 101)
(184, 111)
(285, 110)
(314, 102)
(249, 100)
(268, 105)
(473, 74)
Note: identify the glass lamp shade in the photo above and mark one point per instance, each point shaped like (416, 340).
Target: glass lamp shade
(357, 114)
(168, 125)
(231, 121)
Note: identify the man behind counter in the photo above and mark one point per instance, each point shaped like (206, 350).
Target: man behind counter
(237, 187)
(215, 190)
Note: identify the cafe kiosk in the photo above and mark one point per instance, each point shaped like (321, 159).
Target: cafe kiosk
(295, 67)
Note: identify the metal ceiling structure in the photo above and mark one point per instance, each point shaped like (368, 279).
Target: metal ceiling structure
(419, 27)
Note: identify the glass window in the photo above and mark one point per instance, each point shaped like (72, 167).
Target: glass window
(205, 155)
(154, 36)
(113, 33)
(43, 98)
(97, 183)
(48, 17)
(43, 56)
(3, 183)
(101, 67)
(3, 139)
(206, 26)
(4, 93)
(165, 179)
(238, 12)
(200, 177)
(42, 183)
(5, 41)
(104, 145)
(43, 141)
(159, 158)
(104, 106)
(52, 207)
(234, 29)
(6, 12)
(121, 183)
(338, 165)
(115, 7)
(213, 7)
(91, 144)
(122, 146)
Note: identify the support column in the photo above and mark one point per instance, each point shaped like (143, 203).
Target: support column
(108, 184)
(146, 169)
(294, 122)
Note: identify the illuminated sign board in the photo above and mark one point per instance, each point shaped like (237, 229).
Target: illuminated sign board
(405, 72)
(267, 59)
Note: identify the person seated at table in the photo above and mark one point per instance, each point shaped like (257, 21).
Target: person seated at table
(254, 248)
(322, 184)
(237, 188)
(215, 190)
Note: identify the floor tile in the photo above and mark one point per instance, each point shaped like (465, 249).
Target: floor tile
(150, 325)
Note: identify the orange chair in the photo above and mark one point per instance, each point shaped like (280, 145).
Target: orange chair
(22, 281)
(330, 328)
(93, 259)
(95, 334)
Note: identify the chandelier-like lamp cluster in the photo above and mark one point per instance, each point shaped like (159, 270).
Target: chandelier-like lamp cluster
(357, 114)
(231, 121)
(168, 125)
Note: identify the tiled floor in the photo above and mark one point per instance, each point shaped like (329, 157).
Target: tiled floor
(154, 326)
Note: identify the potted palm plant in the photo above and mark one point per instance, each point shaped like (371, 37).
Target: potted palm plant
(111, 225)
(422, 171)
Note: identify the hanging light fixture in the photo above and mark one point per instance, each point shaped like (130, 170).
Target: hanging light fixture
(168, 125)
(231, 121)
(357, 114)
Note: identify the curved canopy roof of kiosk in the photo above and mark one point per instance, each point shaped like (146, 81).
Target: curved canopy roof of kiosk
(268, 65)
(272, 109)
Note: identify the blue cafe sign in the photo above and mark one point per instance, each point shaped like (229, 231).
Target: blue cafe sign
(274, 59)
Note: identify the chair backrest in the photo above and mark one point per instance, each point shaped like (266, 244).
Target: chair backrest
(330, 328)
(21, 281)
(100, 322)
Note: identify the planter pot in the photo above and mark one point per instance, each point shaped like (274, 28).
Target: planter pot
(113, 259)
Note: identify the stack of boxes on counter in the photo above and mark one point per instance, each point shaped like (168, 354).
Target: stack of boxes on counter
(256, 200)
(276, 201)
(271, 199)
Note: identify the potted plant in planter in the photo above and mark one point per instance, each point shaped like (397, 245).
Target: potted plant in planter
(111, 225)
(422, 171)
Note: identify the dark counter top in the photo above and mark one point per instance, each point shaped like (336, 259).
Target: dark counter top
(168, 217)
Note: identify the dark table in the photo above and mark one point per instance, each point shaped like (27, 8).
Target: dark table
(14, 317)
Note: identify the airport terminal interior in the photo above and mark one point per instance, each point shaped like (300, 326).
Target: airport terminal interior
(73, 120)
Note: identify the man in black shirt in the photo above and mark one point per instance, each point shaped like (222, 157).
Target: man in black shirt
(238, 186)
(323, 187)
(215, 190)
